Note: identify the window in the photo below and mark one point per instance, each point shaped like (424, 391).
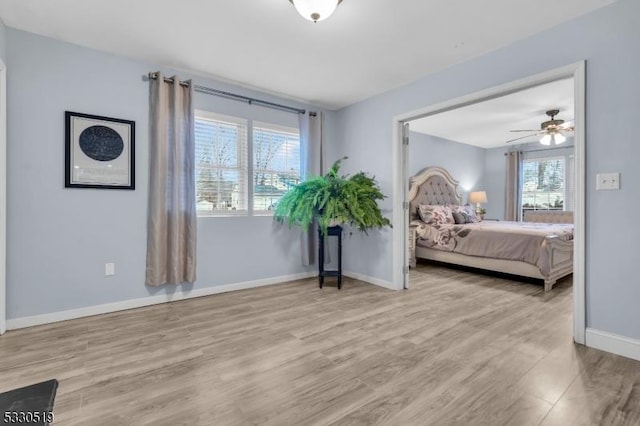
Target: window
(544, 184)
(221, 164)
(276, 163)
(224, 176)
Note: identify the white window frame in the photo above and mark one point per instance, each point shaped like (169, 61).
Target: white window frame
(276, 128)
(538, 159)
(243, 161)
(245, 158)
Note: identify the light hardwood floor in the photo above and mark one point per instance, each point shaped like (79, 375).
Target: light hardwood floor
(456, 349)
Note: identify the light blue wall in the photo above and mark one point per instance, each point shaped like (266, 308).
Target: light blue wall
(464, 162)
(59, 239)
(608, 39)
(494, 181)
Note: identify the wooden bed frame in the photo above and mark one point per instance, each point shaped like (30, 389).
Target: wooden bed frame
(434, 185)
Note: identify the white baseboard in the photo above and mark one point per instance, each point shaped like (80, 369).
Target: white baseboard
(88, 311)
(371, 280)
(614, 343)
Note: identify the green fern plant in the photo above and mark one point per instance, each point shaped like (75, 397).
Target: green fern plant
(332, 199)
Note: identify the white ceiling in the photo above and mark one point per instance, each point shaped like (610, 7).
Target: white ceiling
(488, 124)
(365, 48)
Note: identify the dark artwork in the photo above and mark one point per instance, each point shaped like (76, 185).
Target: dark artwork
(98, 138)
(101, 143)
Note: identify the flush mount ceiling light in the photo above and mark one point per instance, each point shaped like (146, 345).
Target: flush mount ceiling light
(315, 10)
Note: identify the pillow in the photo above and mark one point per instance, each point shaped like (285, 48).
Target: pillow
(468, 211)
(460, 218)
(435, 214)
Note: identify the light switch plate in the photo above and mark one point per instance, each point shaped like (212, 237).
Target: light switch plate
(607, 181)
(109, 269)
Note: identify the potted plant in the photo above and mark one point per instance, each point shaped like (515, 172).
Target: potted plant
(333, 200)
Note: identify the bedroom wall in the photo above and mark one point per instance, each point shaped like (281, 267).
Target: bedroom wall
(608, 39)
(59, 239)
(494, 181)
(464, 162)
(495, 171)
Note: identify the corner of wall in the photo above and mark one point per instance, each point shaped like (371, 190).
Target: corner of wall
(3, 43)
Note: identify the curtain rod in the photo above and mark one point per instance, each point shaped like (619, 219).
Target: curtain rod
(543, 149)
(229, 95)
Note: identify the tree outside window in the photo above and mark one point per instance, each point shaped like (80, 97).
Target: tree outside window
(223, 175)
(220, 166)
(276, 163)
(543, 184)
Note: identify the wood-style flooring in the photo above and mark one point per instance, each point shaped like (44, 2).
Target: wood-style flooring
(456, 349)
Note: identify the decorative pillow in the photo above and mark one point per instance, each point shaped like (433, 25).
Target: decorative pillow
(435, 214)
(468, 211)
(459, 218)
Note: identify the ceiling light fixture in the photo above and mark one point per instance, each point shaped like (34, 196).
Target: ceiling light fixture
(315, 10)
(554, 138)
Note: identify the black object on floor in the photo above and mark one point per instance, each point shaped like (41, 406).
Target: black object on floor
(30, 405)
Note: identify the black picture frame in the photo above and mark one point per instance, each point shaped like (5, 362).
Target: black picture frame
(99, 152)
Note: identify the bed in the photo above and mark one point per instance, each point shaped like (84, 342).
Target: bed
(534, 250)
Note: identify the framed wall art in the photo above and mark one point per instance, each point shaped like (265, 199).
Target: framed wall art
(99, 152)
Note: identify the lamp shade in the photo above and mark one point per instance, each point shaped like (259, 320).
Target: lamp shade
(546, 140)
(478, 197)
(555, 138)
(315, 10)
(559, 138)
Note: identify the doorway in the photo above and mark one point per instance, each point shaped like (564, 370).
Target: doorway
(401, 175)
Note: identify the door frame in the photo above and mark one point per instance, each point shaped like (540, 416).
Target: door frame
(3, 197)
(577, 71)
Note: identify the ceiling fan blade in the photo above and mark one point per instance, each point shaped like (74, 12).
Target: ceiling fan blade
(524, 137)
(527, 130)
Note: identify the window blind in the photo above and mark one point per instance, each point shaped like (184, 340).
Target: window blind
(276, 163)
(221, 164)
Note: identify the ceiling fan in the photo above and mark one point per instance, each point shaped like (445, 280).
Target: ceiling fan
(552, 131)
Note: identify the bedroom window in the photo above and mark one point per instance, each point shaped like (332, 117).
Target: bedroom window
(544, 184)
(221, 164)
(276, 164)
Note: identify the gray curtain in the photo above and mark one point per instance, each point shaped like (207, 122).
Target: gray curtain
(512, 186)
(171, 216)
(311, 142)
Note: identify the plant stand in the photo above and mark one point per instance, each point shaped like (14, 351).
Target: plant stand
(331, 231)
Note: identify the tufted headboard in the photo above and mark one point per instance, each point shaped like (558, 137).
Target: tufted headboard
(433, 185)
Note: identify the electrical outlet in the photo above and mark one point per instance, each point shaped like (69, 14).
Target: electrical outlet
(109, 269)
(607, 181)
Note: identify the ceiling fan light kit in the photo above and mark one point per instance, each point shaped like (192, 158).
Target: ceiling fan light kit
(551, 130)
(559, 138)
(553, 123)
(315, 10)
